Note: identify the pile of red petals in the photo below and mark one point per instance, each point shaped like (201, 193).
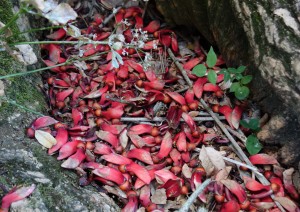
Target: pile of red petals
(145, 165)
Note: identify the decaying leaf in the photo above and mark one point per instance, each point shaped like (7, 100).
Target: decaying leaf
(26, 54)
(159, 196)
(287, 203)
(45, 138)
(211, 160)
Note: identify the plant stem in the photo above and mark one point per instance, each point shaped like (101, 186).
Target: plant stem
(191, 199)
(21, 106)
(40, 29)
(12, 20)
(32, 71)
(236, 134)
(59, 42)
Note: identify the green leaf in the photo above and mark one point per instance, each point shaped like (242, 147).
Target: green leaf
(253, 145)
(212, 76)
(238, 76)
(246, 79)
(252, 124)
(223, 71)
(241, 69)
(232, 70)
(242, 92)
(226, 76)
(211, 59)
(234, 86)
(199, 70)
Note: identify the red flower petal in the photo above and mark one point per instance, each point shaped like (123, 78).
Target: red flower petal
(68, 149)
(230, 206)
(177, 97)
(288, 183)
(112, 113)
(156, 84)
(175, 156)
(139, 171)
(173, 188)
(74, 161)
(236, 189)
(136, 66)
(253, 185)
(111, 174)
(189, 96)
(60, 96)
(138, 141)
(108, 137)
(61, 138)
(189, 121)
(163, 175)
(211, 87)
(141, 155)
(138, 22)
(50, 63)
(174, 43)
(77, 116)
(226, 111)
(141, 129)
(57, 35)
(116, 159)
(166, 146)
(44, 121)
(132, 205)
(16, 195)
(152, 26)
(198, 86)
(145, 196)
(236, 116)
(192, 63)
(102, 149)
(114, 129)
(181, 142)
(173, 116)
(263, 159)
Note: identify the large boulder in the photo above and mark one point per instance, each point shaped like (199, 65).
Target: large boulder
(264, 36)
(24, 161)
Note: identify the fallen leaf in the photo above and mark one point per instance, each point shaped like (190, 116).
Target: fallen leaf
(287, 203)
(186, 171)
(211, 159)
(159, 196)
(61, 14)
(28, 57)
(45, 138)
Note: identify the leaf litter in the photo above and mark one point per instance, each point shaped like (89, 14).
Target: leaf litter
(150, 166)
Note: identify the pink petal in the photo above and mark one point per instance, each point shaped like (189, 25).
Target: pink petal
(60, 96)
(68, 149)
(253, 185)
(116, 159)
(236, 189)
(166, 146)
(175, 156)
(236, 116)
(157, 85)
(230, 206)
(145, 196)
(132, 205)
(177, 97)
(198, 86)
(61, 138)
(288, 183)
(181, 142)
(141, 129)
(108, 137)
(114, 129)
(57, 35)
(75, 160)
(138, 141)
(192, 63)
(226, 111)
(102, 149)
(98, 93)
(189, 121)
(111, 174)
(44, 121)
(141, 155)
(163, 175)
(173, 188)
(173, 116)
(152, 26)
(211, 87)
(263, 159)
(77, 116)
(139, 171)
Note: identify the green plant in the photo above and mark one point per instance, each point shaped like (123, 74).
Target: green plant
(252, 143)
(235, 75)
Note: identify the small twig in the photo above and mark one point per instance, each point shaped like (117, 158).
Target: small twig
(117, 100)
(236, 134)
(244, 157)
(183, 72)
(253, 168)
(108, 18)
(161, 119)
(59, 42)
(182, 89)
(191, 199)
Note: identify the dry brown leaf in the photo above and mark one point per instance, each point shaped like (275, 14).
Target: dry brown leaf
(115, 190)
(45, 138)
(223, 174)
(186, 171)
(159, 196)
(211, 160)
(286, 203)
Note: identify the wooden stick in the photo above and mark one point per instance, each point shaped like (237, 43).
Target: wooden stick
(244, 157)
(161, 119)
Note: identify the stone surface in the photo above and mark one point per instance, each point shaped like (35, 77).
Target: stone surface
(264, 36)
(24, 161)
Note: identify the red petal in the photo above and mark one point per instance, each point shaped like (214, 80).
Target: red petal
(278, 181)
(77, 116)
(138, 22)
(114, 129)
(209, 137)
(163, 175)
(145, 196)
(175, 156)
(138, 141)
(152, 26)
(198, 86)
(189, 96)
(136, 66)
(108, 137)
(253, 185)
(189, 121)
(61, 138)
(230, 206)
(16, 195)
(54, 52)
(186, 157)
(132, 205)
(236, 189)
(263, 159)
(174, 43)
(111, 174)
(139, 171)
(50, 63)
(173, 188)
(141, 155)
(177, 97)
(75, 160)
(150, 45)
(44, 121)
(211, 87)
(165, 40)
(236, 116)
(141, 129)
(112, 113)
(226, 111)
(157, 85)
(288, 183)
(102, 149)
(68, 149)
(123, 72)
(174, 116)
(119, 17)
(166, 146)
(116, 159)
(102, 36)
(192, 63)
(61, 83)
(181, 142)
(57, 35)
(60, 96)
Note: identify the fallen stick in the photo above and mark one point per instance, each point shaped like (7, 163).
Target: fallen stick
(244, 157)
(161, 119)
